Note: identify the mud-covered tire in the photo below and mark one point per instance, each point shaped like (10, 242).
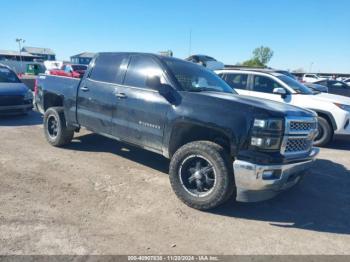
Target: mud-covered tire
(222, 171)
(55, 129)
(325, 133)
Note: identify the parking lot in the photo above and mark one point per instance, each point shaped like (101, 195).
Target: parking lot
(99, 196)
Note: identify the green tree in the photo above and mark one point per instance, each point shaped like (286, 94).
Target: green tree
(254, 62)
(263, 54)
(261, 57)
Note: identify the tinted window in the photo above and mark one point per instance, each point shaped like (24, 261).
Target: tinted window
(108, 68)
(79, 67)
(265, 84)
(195, 78)
(8, 76)
(140, 68)
(236, 81)
(323, 83)
(338, 84)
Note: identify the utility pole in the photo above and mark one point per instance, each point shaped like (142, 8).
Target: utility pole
(190, 44)
(20, 41)
(310, 69)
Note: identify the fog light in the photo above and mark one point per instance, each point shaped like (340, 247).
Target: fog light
(271, 174)
(257, 141)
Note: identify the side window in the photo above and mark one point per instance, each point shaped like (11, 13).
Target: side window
(339, 85)
(237, 81)
(265, 84)
(140, 68)
(108, 68)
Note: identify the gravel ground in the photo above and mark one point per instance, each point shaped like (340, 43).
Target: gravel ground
(99, 196)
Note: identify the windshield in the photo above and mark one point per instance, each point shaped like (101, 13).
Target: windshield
(286, 73)
(295, 85)
(206, 58)
(8, 76)
(195, 78)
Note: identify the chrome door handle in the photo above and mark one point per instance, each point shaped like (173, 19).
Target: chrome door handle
(121, 95)
(85, 89)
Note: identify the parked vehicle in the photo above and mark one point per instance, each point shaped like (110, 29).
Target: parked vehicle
(35, 69)
(333, 111)
(15, 97)
(51, 65)
(310, 78)
(69, 70)
(317, 87)
(336, 87)
(206, 61)
(347, 81)
(218, 142)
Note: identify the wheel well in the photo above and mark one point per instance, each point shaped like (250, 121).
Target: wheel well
(51, 100)
(184, 133)
(325, 116)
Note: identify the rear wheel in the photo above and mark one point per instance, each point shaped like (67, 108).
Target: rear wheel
(325, 132)
(201, 175)
(55, 128)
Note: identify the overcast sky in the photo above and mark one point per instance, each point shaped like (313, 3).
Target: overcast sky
(303, 34)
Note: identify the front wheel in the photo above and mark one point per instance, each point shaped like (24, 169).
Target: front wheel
(201, 175)
(325, 132)
(55, 128)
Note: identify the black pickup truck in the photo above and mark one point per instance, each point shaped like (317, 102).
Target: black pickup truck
(219, 143)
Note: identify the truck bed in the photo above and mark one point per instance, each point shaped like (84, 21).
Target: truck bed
(64, 87)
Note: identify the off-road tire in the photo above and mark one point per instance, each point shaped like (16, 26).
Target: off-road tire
(64, 134)
(222, 164)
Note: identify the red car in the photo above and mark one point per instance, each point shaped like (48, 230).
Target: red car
(68, 70)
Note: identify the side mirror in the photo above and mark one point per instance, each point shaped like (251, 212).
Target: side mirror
(280, 91)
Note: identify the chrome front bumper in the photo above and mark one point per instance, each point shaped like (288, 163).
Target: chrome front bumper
(253, 186)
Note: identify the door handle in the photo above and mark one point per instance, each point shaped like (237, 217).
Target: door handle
(84, 88)
(121, 95)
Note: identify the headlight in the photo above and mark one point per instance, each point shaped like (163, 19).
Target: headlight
(267, 133)
(269, 124)
(344, 107)
(28, 95)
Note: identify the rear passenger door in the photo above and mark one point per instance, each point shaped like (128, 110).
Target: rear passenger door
(141, 111)
(96, 100)
(237, 81)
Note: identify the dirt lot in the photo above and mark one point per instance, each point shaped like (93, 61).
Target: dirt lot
(98, 196)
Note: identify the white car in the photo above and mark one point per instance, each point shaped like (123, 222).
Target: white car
(51, 65)
(333, 110)
(310, 78)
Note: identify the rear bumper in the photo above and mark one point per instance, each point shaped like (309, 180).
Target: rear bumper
(15, 109)
(261, 182)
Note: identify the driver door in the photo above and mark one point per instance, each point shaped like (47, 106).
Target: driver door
(263, 86)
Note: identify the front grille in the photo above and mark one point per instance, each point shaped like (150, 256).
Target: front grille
(298, 126)
(11, 100)
(299, 135)
(298, 145)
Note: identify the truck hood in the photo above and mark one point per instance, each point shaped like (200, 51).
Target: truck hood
(325, 97)
(8, 89)
(265, 104)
